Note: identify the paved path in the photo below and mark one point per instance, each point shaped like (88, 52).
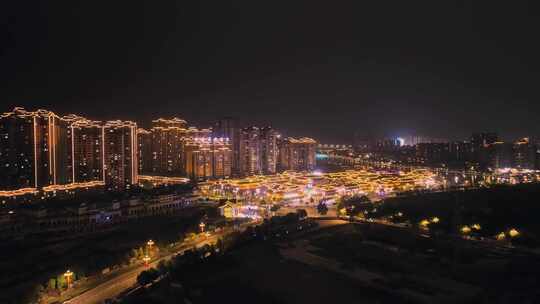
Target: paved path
(118, 284)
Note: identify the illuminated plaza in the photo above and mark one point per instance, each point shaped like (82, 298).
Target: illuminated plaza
(302, 188)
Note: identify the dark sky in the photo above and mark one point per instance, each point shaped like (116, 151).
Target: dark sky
(319, 68)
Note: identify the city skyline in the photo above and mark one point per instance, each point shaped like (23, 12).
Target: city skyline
(41, 150)
(316, 70)
(269, 152)
(403, 137)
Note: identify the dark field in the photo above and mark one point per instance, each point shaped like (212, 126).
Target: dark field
(27, 263)
(366, 263)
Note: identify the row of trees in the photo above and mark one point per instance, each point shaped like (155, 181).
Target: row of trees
(496, 210)
(195, 256)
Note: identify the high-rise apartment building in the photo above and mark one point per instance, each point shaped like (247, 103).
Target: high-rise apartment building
(479, 147)
(88, 151)
(167, 146)
(297, 154)
(258, 151)
(250, 151)
(523, 154)
(500, 155)
(144, 151)
(268, 150)
(35, 149)
(222, 157)
(18, 150)
(120, 154)
(229, 127)
(207, 158)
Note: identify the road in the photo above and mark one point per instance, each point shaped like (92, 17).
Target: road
(120, 283)
(116, 285)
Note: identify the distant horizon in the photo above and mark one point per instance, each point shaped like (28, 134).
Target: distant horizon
(146, 123)
(325, 71)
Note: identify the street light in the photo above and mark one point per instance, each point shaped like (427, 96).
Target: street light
(146, 259)
(149, 245)
(424, 223)
(68, 274)
(202, 225)
(465, 229)
(513, 232)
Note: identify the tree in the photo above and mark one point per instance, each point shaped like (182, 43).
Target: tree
(220, 246)
(355, 205)
(275, 208)
(144, 278)
(322, 209)
(162, 267)
(61, 281)
(32, 295)
(140, 253)
(52, 283)
(302, 214)
(147, 276)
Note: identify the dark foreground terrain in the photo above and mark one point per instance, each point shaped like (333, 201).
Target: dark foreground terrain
(352, 263)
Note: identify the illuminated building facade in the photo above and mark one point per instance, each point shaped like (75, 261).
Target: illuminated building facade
(17, 150)
(41, 152)
(35, 149)
(479, 145)
(297, 154)
(144, 151)
(229, 127)
(199, 158)
(222, 157)
(167, 152)
(500, 155)
(52, 142)
(269, 150)
(524, 154)
(250, 152)
(207, 158)
(87, 146)
(120, 154)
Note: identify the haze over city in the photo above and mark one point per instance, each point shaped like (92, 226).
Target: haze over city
(262, 152)
(325, 71)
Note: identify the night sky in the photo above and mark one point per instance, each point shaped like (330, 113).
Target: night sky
(314, 68)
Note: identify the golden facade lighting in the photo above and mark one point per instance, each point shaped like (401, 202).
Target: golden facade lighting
(298, 185)
(163, 180)
(18, 192)
(120, 154)
(73, 186)
(87, 150)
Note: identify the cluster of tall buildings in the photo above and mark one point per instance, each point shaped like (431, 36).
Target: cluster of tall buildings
(482, 150)
(39, 149)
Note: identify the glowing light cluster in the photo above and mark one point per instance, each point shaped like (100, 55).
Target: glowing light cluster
(295, 186)
(73, 186)
(163, 180)
(18, 192)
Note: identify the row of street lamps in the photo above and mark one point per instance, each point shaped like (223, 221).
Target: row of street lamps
(69, 274)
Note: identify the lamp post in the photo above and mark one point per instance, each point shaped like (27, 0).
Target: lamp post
(149, 245)
(202, 225)
(68, 274)
(146, 259)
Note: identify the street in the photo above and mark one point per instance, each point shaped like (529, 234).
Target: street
(118, 284)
